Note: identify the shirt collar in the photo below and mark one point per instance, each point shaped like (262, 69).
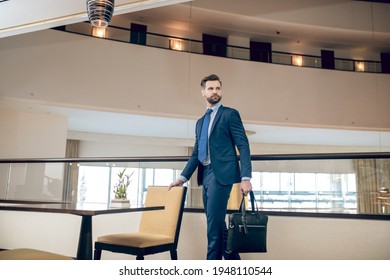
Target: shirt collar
(216, 107)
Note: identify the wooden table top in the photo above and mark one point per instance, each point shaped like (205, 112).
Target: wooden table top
(81, 209)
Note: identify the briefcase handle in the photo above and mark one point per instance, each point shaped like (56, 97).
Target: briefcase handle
(242, 209)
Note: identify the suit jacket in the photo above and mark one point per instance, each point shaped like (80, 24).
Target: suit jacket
(227, 133)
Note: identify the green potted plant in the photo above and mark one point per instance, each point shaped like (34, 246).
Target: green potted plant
(120, 190)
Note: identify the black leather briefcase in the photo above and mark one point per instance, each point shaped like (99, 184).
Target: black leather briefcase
(247, 232)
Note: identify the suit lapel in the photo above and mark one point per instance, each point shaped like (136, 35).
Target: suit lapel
(199, 126)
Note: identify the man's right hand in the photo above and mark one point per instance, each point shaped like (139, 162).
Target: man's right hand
(177, 183)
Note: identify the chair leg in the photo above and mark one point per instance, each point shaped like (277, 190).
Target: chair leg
(173, 254)
(140, 257)
(97, 254)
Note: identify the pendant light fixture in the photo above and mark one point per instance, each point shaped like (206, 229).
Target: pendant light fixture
(100, 12)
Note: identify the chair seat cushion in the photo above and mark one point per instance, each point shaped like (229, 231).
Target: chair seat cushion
(30, 254)
(136, 239)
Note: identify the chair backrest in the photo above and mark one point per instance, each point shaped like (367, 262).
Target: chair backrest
(167, 221)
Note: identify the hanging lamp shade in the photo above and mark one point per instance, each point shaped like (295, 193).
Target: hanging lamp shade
(100, 12)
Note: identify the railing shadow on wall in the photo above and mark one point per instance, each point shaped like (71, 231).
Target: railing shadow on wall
(347, 185)
(175, 43)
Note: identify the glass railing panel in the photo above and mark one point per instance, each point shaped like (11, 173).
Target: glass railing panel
(281, 58)
(346, 65)
(157, 41)
(93, 183)
(327, 185)
(4, 177)
(238, 53)
(158, 173)
(372, 67)
(373, 182)
(311, 61)
(34, 181)
(96, 182)
(349, 184)
(195, 47)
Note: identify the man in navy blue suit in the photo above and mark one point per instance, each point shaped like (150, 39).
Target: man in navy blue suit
(219, 168)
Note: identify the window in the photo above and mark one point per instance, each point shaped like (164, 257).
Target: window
(93, 184)
(305, 191)
(273, 190)
(96, 183)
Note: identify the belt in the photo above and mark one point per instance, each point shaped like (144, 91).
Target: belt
(206, 162)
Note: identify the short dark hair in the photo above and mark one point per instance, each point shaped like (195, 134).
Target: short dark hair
(211, 77)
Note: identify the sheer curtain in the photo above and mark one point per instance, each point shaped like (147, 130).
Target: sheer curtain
(372, 184)
(71, 173)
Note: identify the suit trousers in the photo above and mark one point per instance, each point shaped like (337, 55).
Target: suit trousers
(215, 200)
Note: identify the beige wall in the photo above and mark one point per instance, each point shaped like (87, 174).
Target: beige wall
(289, 238)
(26, 134)
(83, 72)
(53, 68)
(56, 68)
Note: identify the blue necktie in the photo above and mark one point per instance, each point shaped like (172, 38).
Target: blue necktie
(202, 146)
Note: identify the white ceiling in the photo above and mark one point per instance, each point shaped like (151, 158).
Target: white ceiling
(21, 16)
(333, 23)
(282, 21)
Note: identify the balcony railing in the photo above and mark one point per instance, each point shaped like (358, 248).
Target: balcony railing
(175, 43)
(352, 185)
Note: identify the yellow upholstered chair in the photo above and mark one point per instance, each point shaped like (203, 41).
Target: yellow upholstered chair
(30, 254)
(235, 198)
(158, 231)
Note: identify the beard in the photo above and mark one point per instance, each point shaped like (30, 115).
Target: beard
(214, 99)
